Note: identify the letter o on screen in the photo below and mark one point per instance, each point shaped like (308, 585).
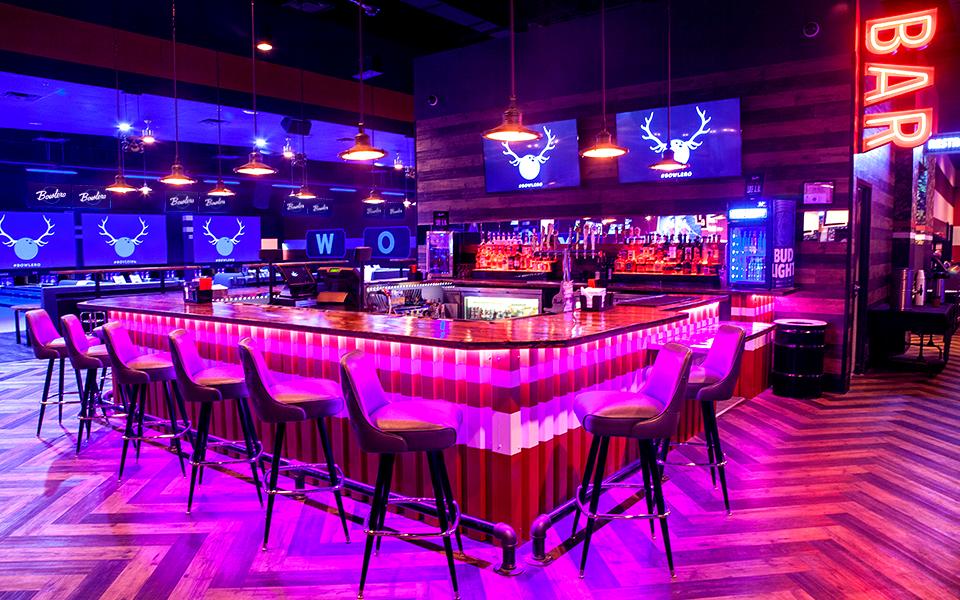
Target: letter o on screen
(386, 242)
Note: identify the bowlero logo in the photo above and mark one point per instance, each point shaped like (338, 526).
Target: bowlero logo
(891, 37)
(388, 242)
(326, 243)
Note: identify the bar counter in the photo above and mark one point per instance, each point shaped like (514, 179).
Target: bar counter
(520, 448)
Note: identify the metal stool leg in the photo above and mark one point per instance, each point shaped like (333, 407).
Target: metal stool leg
(708, 438)
(60, 395)
(650, 454)
(174, 441)
(647, 487)
(274, 475)
(128, 430)
(711, 414)
(250, 440)
(663, 450)
(435, 460)
(86, 404)
(46, 394)
(199, 447)
(585, 483)
(378, 504)
(448, 495)
(331, 468)
(16, 321)
(594, 500)
(385, 497)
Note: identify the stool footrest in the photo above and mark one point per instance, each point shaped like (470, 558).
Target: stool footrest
(178, 434)
(334, 487)
(722, 463)
(585, 509)
(414, 535)
(258, 452)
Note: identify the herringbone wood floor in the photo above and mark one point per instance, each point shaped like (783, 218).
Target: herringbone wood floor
(852, 496)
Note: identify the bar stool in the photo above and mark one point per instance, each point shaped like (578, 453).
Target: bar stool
(48, 345)
(205, 386)
(133, 372)
(712, 380)
(651, 413)
(91, 358)
(389, 428)
(22, 309)
(292, 401)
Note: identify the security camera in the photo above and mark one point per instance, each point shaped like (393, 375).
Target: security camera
(432, 100)
(811, 29)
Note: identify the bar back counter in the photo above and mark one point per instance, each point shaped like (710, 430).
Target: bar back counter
(521, 448)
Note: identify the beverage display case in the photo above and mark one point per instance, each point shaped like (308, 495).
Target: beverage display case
(487, 304)
(440, 254)
(760, 249)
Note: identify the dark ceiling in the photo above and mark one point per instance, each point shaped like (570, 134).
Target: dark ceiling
(320, 35)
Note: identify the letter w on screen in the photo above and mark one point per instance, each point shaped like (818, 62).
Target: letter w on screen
(326, 243)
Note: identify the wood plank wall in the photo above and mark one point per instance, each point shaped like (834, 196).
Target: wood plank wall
(875, 169)
(796, 119)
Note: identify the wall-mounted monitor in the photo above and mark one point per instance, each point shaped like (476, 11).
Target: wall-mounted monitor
(553, 161)
(115, 240)
(37, 240)
(226, 239)
(704, 136)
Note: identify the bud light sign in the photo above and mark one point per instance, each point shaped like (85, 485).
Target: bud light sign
(326, 243)
(388, 242)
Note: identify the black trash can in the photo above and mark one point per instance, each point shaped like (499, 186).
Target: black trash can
(798, 351)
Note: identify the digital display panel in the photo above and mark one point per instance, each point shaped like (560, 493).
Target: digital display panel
(326, 243)
(37, 240)
(553, 161)
(119, 240)
(224, 239)
(388, 242)
(703, 136)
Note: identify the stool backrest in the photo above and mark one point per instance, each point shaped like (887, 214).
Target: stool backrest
(42, 332)
(77, 343)
(363, 395)
(667, 383)
(723, 361)
(122, 350)
(187, 362)
(259, 385)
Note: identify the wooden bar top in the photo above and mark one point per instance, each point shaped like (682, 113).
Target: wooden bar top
(549, 330)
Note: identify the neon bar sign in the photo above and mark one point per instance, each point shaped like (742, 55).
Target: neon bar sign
(944, 143)
(884, 37)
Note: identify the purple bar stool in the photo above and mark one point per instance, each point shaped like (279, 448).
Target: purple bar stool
(650, 414)
(389, 428)
(292, 401)
(48, 345)
(91, 358)
(133, 371)
(712, 380)
(205, 386)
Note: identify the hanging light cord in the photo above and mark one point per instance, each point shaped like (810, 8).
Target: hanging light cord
(669, 64)
(176, 111)
(116, 82)
(603, 63)
(219, 123)
(253, 67)
(360, 58)
(303, 144)
(513, 57)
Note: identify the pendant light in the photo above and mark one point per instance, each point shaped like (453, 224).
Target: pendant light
(668, 163)
(374, 197)
(119, 185)
(604, 145)
(362, 148)
(177, 175)
(512, 129)
(220, 190)
(254, 164)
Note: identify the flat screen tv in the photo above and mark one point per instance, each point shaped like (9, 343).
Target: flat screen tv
(37, 240)
(553, 161)
(704, 136)
(115, 240)
(226, 239)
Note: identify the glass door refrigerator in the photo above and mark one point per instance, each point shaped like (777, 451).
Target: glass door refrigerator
(440, 254)
(760, 248)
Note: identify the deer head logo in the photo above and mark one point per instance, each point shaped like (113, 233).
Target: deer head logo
(124, 246)
(224, 245)
(26, 248)
(681, 148)
(529, 165)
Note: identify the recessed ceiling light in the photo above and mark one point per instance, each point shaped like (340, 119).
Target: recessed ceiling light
(35, 123)
(264, 46)
(260, 143)
(124, 126)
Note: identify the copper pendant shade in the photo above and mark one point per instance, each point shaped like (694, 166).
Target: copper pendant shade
(178, 176)
(303, 193)
(363, 148)
(221, 190)
(120, 185)
(254, 165)
(668, 163)
(374, 197)
(604, 146)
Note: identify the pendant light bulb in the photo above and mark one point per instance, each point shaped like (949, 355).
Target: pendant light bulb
(177, 176)
(511, 128)
(303, 193)
(120, 185)
(668, 163)
(255, 166)
(604, 147)
(221, 190)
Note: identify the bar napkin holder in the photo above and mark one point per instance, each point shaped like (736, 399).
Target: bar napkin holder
(199, 291)
(595, 299)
